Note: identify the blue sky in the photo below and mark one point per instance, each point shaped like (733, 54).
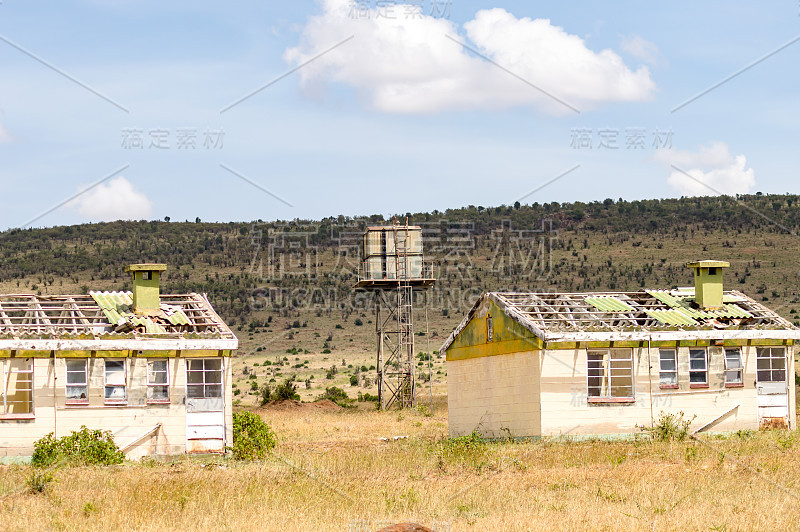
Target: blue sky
(418, 106)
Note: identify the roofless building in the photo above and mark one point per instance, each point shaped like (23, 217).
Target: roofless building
(153, 369)
(392, 268)
(571, 364)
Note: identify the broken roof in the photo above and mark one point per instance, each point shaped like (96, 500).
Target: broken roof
(648, 314)
(105, 320)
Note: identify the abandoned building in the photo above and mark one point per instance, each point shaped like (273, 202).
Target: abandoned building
(153, 369)
(586, 364)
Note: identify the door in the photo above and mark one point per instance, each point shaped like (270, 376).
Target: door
(772, 387)
(205, 406)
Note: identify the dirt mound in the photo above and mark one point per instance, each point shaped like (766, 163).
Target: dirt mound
(405, 527)
(291, 405)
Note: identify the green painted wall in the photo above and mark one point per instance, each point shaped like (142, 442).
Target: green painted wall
(508, 336)
(146, 296)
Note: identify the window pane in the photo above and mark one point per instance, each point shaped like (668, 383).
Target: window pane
(733, 359)
(157, 372)
(697, 359)
(213, 364)
(77, 392)
(115, 393)
(194, 377)
(157, 393)
(76, 371)
(214, 390)
(115, 372)
(733, 377)
(213, 377)
(76, 365)
(195, 365)
(194, 392)
(697, 377)
(595, 369)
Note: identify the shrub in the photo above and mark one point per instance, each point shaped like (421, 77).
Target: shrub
(252, 437)
(669, 427)
(286, 390)
(337, 395)
(266, 393)
(39, 481)
(84, 447)
(353, 380)
(358, 322)
(367, 397)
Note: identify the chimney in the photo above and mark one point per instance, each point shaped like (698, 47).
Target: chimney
(146, 296)
(708, 282)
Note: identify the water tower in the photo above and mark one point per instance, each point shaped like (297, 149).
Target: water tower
(392, 268)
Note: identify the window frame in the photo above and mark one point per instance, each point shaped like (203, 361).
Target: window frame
(606, 387)
(124, 385)
(152, 385)
(5, 372)
(193, 385)
(661, 371)
(84, 384)
(704, 371)
(771, 370)
(733, 383)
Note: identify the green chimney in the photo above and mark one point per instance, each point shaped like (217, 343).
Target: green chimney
(146, 296)
(708, 282)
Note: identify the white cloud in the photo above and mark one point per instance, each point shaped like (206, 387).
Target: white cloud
(114, 200)
(643, 49)
(408, 65)
(717, 171)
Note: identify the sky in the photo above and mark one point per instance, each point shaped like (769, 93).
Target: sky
(242, 111)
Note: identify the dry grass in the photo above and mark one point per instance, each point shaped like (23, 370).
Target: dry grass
(332, 471)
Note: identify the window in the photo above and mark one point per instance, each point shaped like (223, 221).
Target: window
(77, 381)
(17, 387)
(115, 382)
(698, 368)
(489, 329)
(733, 368)
(157, 381)
(771, 364)
(204, 378)
(610, 375)
(668, 365)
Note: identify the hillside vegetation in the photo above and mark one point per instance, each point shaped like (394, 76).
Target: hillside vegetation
(286, 287)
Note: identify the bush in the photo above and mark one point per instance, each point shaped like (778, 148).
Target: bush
(353, 380)
(669, 427)
(84, 447)
(286, 390)
(358, 322)
(337, 395)
(266, 393)
(367, 397)
(252, 437)
(39, 481)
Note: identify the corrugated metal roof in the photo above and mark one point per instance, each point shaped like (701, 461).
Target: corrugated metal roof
(117, 306)
(671, 317)
(563, 316)
(609, 304)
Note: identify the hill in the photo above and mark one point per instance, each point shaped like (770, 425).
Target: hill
(285, 287)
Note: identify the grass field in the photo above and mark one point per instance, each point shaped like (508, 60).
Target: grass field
(333, 471)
